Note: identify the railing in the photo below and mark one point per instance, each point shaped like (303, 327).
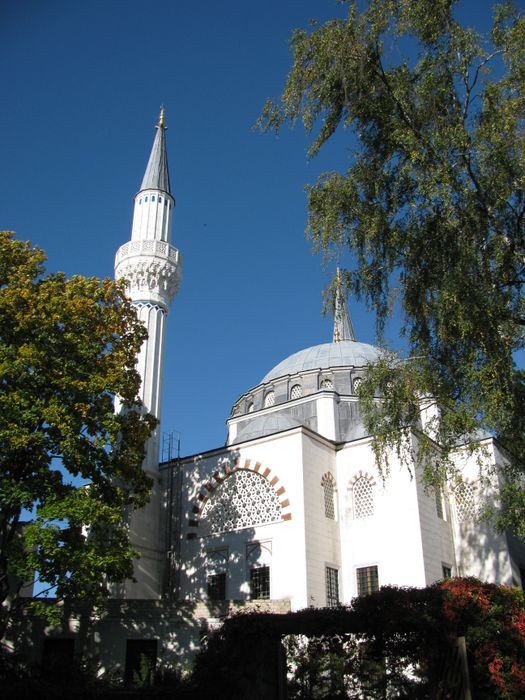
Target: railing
(160, 248)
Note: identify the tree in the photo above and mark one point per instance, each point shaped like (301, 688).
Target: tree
(67, 348)
(432, 210)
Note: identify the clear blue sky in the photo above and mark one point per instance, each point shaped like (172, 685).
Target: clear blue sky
(82, 83)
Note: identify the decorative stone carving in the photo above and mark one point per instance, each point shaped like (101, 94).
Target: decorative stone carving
(151, 268)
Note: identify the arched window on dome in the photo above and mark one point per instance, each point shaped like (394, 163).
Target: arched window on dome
(357, 383)
(269, 399)
(250, 407)
(243, 499)
(296, 392)
(363, 497)
(327, 384)
(329, 490)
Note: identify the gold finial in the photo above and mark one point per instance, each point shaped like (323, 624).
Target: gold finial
(161, 116)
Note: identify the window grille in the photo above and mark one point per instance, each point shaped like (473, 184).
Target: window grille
(260, 583)
(363, 498)
(439, 504)
(296, 392)
(216, 586)
(466, 503)
(328, 484)
(244, 499)
(446, 571)
(357, 383)
(269, 399)
(327, 384)
(332, 587)
(367, 580)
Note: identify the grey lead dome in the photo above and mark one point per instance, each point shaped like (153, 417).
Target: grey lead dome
(345, 353)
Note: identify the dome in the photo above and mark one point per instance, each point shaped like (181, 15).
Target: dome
(345, 353)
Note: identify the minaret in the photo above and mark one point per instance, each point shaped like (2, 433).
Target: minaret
(343, 329)
(152, 269)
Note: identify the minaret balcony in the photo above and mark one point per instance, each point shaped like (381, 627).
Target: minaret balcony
(152, 269)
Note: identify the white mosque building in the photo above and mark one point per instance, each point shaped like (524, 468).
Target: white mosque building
(292, 511)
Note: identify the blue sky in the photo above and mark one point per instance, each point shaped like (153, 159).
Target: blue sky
(82, 83)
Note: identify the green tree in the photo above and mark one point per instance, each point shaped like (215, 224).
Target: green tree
(432, 208)
(67, 347)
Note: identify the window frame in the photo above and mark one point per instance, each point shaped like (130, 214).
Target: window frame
(331, 578)
(216, 585)
(371, 578)
(260, 582)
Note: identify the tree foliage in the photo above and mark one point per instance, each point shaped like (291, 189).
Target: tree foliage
(67, 461)
(395, 642)
(432, 208)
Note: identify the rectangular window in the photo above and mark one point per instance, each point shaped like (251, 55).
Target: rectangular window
(332, 586)
(260, 583)
(141, 660)
(57, 655)
(446, 570)
(367, 580)
(217, 586)
(439, 504)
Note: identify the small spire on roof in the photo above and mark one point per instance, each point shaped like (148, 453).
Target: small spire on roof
(343, 329)
(161, 116)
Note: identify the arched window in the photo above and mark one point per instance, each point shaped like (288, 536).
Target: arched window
(327, 384)
(250, 407)
(296, 392)
(269, 399)
(329, 487)
(466, 501)
(363, 498)
(243, 499)
(357, 383)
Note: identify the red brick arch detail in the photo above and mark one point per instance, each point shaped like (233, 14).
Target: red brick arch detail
(328, 478)
(226, 470)
(360, 474)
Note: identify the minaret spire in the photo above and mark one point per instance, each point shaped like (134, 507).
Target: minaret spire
(343, 329)
(157, 176)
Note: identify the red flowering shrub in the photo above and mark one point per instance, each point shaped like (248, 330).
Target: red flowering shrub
(492, 619)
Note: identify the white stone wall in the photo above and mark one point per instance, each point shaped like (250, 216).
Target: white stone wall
(152, 216)
(480, 550)
(389, 539)
(281, 455)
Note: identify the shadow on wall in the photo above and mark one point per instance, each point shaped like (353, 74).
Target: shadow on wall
(221, 568)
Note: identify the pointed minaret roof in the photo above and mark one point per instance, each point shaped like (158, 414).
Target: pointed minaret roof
(157, 176)
(343, 329)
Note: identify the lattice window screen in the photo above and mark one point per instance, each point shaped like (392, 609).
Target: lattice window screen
(466, 501)
(327, 384)
(329, 496)
(269, 399)
(363, 498)
(244, 499)
(296, 391)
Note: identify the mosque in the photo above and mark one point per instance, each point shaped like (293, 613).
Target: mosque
(292, 511)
